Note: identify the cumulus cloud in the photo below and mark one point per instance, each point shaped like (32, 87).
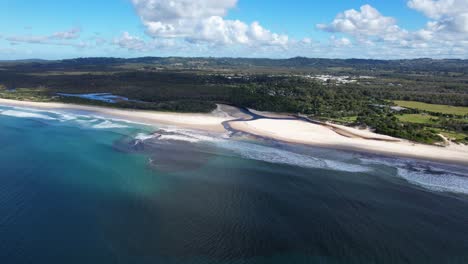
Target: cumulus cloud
(366, 22)
(446, 29)
(202, 21)
(447, 15)
(440, 8)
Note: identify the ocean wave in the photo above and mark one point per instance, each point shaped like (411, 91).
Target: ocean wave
(65, 116)
(179, 138)
(23, 114)
(175, 134)
(143, 136)
(349, 167)
(429, 175)
(274, 155)
(191, 135)
(250, 150)
(108, 124)
(446, 182)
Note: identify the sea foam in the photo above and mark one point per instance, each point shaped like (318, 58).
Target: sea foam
(108, 124)
(429, 175)
(250, 150)
(23, 114)
(445, 182)
(275, 155)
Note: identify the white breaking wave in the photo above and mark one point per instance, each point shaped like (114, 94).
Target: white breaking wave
(190, 135)
(108, 124)
(254, 151)
(342, 166)
(437, 182)
(432, 176)
(67, 116)
(179, 135)
(274, 155)
(179, 138)
(22, 114)
(143, 136)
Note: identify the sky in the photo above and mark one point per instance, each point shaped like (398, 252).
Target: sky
(376, 29)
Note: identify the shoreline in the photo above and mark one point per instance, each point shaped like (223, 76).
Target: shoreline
(277, 127)
(207, 122)
(300, 132)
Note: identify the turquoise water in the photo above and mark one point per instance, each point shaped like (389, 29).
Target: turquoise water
(79, 188)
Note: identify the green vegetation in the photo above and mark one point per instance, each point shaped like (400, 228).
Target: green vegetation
(197, 84)
(385, 122)
(454, 136)
(434, 108)
(455, 129)
(27, 94)
(344, 120)
(417, 118)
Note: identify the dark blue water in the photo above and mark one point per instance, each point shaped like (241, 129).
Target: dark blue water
(77, 189)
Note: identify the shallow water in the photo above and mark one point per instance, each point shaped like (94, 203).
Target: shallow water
(88, 189)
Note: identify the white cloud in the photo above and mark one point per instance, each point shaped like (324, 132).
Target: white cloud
(73, 33)
(445, 33)
(202, 21)
(440, 8)
(58, 38)
(340, 42)
(28, 39)
(448, 15)
(130, 42)
(133, 43)
(306, 41)
(364, 23)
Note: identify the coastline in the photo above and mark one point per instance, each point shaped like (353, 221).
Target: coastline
(300, 132)
(277, 127)
(207, 122)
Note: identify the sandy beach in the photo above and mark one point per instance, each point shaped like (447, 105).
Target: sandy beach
(287, 130)
(295, 131)
(208, 122)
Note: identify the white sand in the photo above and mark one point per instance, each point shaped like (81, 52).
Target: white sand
(296, 131)
(210, 122)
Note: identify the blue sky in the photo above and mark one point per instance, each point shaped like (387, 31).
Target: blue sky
(53, 29)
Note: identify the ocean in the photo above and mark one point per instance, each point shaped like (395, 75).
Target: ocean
(76, 187)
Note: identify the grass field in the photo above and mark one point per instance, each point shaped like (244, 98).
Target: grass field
(417, 118)
(436, 108)
(346, 120)
(455, 136)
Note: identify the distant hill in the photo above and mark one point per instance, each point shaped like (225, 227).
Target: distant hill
(298, 63)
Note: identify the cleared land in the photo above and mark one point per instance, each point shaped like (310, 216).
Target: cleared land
(418, 118)
(436, 108)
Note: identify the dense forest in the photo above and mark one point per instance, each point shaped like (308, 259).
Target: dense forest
(358, 92)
